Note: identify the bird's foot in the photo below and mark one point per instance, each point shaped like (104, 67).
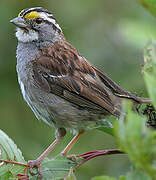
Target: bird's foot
(73, 157)
(35, 164)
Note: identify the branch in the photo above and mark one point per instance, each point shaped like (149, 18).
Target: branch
(90, 155)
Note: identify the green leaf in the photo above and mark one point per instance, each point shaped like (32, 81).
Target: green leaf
(9, 152)
(56, 168)
(149, 70)
(150, 5)
(107, 130)
(103, 178)
(138, 141)
(6, 176)
(106, 125)
(3, 169)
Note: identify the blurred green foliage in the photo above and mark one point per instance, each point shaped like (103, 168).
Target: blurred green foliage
(133, 136)
(139, 143)
(149, 70)
(110, 34)
(150, 5)
(103, 178)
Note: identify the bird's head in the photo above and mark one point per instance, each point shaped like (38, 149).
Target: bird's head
(36, 24)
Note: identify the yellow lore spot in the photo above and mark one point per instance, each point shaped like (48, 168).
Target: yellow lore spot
(32, 15)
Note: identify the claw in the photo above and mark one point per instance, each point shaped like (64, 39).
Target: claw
(35, 164)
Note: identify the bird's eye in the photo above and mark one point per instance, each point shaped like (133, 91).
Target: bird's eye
(38, 20)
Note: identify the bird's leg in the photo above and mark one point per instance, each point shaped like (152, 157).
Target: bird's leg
(71, 143)
(60, 133)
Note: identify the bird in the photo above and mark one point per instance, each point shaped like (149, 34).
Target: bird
(60, 85)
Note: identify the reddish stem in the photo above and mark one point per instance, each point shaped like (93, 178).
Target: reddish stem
(13, 162)
(89, 155)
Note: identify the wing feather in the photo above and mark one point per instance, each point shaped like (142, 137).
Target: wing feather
(71, 77)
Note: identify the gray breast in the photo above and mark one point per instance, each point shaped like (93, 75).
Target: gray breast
(25, 53)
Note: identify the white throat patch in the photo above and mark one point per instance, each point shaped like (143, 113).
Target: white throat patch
(26, 36)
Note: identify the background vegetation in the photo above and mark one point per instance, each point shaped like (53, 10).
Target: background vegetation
(110, 34)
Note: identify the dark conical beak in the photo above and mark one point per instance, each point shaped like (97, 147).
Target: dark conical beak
(19, 22)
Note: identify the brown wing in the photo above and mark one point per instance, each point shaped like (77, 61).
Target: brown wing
(117, 90)
(62, 71)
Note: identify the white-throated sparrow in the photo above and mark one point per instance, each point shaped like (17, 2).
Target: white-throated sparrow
(61, 86)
